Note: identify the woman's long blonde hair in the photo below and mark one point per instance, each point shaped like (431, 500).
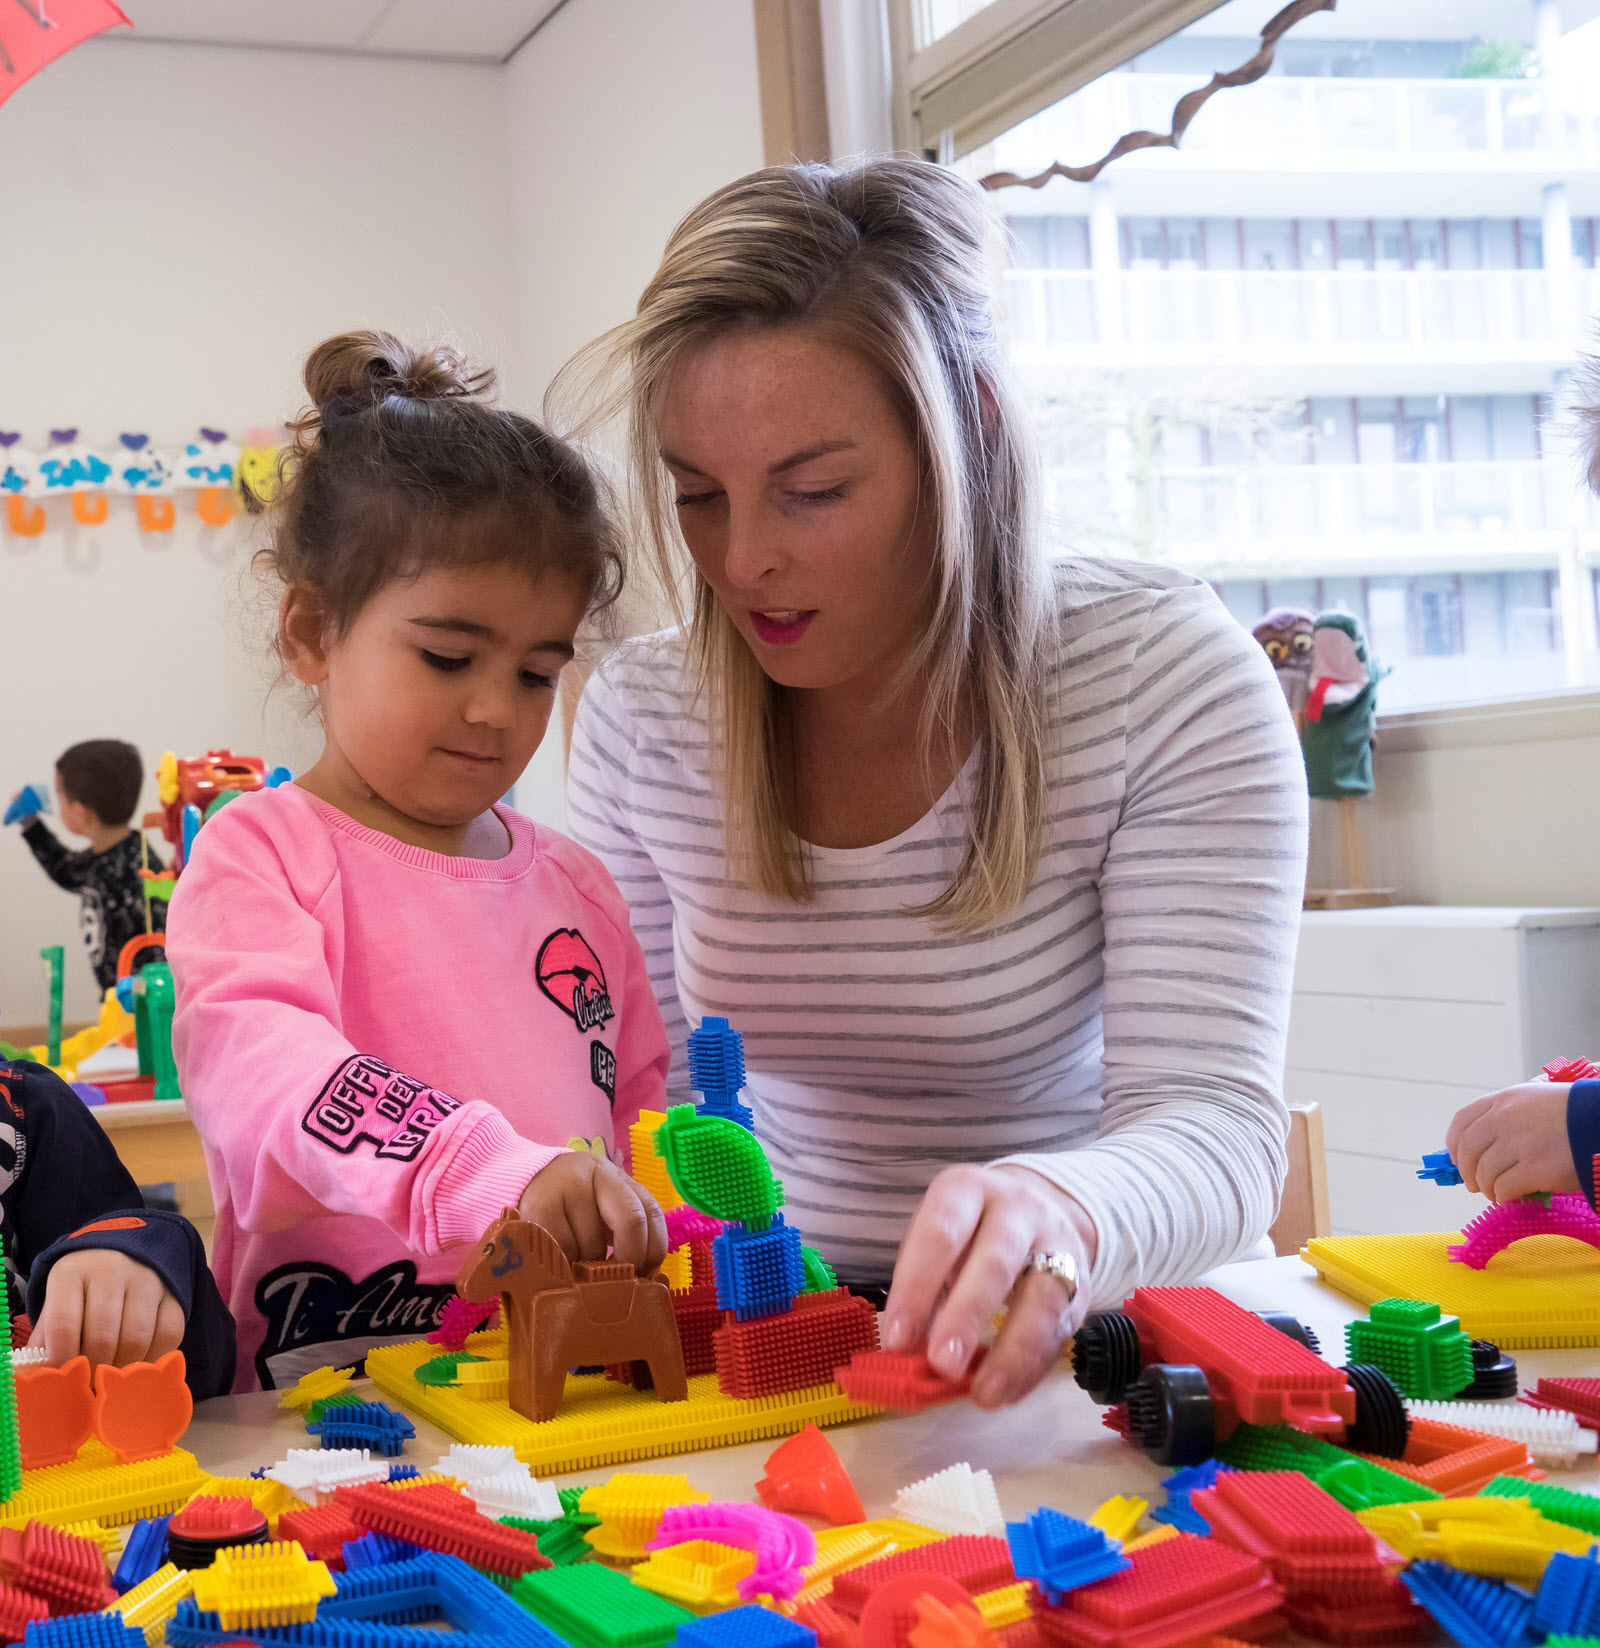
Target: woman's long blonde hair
(890, 258)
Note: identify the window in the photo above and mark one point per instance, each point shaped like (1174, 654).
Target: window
(1283, 359)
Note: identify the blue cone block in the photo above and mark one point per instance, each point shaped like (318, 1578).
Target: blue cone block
(1059, 1553)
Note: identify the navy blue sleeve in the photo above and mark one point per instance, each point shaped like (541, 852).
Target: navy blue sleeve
(172, 1248)
(1583, 1131)
(58, 1170)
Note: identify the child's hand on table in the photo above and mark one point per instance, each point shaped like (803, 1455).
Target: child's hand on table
(108, 1307)
(589, 1204)
(1514, 1143)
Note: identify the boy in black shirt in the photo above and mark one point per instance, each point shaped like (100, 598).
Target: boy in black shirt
(99, 1272)
(97, 786)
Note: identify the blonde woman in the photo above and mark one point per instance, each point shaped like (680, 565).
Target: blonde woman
(995, 862)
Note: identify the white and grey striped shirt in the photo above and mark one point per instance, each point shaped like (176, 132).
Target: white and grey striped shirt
(1122, 1032)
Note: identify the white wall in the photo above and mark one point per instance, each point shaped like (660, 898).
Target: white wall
(1492, 805)
(620, 116)
(183, 223)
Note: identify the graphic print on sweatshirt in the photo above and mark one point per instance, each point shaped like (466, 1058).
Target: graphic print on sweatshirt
(317, 1316)
(570, 974)
(365, 1102)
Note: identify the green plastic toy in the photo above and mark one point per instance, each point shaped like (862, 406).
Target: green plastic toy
(55, 955)
(593, 1606)
(152, 1024)
(10, 1442)
(819, 1273)
(441, 1370)
(718, 1167)
(1576, 1510)
(1355, 1482)
(1423, 1351)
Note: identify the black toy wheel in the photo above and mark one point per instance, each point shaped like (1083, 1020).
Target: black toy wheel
(1494, 1374)
(1170, 1414)
(1293, 1327)
(1105, 1355)
(1382, 1427)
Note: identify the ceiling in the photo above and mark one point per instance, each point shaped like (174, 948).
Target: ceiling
(473, 31)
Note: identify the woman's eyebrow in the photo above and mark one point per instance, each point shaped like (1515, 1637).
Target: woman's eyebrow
(820, 450)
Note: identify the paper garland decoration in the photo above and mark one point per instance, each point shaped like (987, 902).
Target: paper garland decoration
(211, 466)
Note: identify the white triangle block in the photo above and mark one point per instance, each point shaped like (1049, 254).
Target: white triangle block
(1553, 1437)
(312, 1474)
(959, 1500)
(469, 1461)
(515, 1493)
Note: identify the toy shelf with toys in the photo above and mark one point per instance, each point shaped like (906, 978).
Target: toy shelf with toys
(735, 1464)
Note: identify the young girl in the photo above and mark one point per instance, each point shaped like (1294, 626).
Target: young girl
(402, 1007)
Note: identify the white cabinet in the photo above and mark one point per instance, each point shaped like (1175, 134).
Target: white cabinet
(1401, 1016)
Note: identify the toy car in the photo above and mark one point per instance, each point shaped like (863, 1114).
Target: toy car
(1192, 1365)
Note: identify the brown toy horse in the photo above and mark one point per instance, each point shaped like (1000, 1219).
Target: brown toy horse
(560, 1315)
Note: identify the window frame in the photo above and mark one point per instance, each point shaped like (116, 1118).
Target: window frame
(1012, 59)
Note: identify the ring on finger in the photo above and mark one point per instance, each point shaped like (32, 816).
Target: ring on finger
(1054, 1263)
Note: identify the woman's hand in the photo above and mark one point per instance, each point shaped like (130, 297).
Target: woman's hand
(589, 1204)
(959, 1264)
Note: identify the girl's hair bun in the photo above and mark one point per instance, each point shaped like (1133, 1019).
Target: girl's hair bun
(357, 370)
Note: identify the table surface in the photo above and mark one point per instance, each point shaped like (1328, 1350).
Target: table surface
(1050, 1449)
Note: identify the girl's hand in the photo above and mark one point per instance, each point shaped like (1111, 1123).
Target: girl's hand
(101, 1304)
(589, 1204)
(1514, 1142)
(960, 1262)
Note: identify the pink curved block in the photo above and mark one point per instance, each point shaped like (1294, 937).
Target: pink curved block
(688, 1224)
(783, 1544)
(1498, 1226)
(461, 1318)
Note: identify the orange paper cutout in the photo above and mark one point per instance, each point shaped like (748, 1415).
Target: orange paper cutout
(215, 505)
(24, 519)
(156, 514)
(90, 508)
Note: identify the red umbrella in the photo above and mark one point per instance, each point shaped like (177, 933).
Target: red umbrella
(36, 32)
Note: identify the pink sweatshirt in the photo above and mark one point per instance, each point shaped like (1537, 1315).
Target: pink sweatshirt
(380, 1046)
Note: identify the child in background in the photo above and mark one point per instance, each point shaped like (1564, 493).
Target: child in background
(1540, 1136)
(97, 789)
(98, 1272)
(400, 1006)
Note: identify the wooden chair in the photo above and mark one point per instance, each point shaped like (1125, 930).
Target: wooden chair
(1303, 1212)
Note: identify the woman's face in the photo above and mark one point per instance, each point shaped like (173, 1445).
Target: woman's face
(798, 490)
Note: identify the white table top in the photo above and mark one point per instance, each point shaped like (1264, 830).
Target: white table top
(1050, 1449)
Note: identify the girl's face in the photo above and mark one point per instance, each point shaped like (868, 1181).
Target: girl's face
(438, 693)
(797, 492)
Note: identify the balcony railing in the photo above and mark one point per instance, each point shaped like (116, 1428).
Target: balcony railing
(1338, 121)
(1068, 315)
(1284, 514)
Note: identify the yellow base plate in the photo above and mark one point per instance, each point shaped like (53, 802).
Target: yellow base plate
(96, 1486)
(1541, 1292)
(602, 1422)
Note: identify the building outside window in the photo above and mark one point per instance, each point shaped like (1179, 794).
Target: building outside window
(1319, 354)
